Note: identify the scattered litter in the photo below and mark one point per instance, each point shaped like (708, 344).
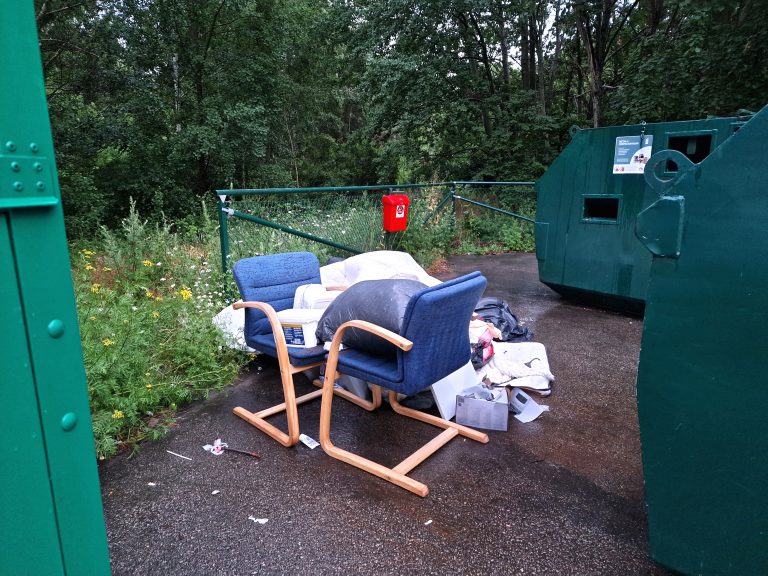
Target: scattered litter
(428, 522)
(519, 365)
(480, 407)
(525, 408)
(151, 484)
(215, 492)
(179, 455)
(497, 312)
(258, 520)
(310, 443)
(218, 447)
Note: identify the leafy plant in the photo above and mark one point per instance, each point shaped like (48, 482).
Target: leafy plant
(145, 301)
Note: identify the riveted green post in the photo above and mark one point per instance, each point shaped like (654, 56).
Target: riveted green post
(52, 520)
(223, 232)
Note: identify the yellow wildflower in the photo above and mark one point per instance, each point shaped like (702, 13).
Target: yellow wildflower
(149, 294)
(117, 415)
(185, 293)
(146, 263)
(87, 253)
(91, 317)
(107, 342)
(155, 314)
(95, 288)
(159, 298)
(107, 269)
(89, 267)
(148, 386)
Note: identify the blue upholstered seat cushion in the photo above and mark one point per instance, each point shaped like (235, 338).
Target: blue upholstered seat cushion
(384, 370)
(298, 355)
(272, 279)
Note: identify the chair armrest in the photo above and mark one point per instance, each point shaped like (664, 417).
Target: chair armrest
(402, 343)
(333, 354)
(274, 323)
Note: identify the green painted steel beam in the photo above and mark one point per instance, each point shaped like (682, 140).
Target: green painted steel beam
(52, 519)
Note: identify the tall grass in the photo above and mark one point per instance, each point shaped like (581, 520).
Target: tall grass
(145, 299)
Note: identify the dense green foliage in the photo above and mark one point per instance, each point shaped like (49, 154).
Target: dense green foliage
(166, 100)
(145, 298)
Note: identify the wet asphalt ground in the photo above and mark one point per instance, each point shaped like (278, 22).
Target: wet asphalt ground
(562, 495)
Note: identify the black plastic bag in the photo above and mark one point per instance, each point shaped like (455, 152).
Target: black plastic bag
(381, 302)
(497, 312)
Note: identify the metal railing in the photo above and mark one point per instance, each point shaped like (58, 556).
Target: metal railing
(346, 220)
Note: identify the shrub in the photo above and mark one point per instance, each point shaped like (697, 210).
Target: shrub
(145, 301)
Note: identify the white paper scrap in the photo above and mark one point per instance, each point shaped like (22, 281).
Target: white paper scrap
(179, 455)
(428, 522)
(215, 492)
(258, 520)
(151, 484)
(310, 443)
(525, 408)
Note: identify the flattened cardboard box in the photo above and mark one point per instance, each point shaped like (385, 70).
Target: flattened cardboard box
(485, 414)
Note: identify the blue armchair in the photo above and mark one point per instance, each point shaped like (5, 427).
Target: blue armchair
(433, 343)
(267, 285)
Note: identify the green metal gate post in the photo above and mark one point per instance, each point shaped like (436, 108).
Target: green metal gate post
(702, 392)
(52, 520)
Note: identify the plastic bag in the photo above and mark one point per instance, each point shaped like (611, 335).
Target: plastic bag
(497, 312)
(482, 350)
(381, 302)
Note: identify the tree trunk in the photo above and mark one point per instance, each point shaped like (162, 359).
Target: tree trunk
(503, 46)
(524, 47)
(556, 58)
(532, 52)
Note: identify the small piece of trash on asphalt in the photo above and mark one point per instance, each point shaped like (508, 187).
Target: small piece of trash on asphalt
(215, 492)
(258, 520)
(151, 484)
(428, 522)
(179, 455)
(216, 448)
(310, 443)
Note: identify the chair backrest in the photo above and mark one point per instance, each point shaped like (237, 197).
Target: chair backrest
(437, 322)
(272, 279)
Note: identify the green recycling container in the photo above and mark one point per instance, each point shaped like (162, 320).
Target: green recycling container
(589, 198)
(702, 384)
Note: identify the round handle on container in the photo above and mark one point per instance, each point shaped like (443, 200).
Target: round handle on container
(661, 185)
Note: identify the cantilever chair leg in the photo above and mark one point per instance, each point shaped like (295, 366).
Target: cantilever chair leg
(397, 475)
(369, 405)
(287, 370)
(258, 419)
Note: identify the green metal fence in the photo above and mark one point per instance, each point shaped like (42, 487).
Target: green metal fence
(344, 220)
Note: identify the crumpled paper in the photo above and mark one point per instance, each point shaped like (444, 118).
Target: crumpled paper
(216, 448)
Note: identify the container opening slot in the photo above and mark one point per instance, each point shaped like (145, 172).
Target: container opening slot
(695, 147)
(601, 208)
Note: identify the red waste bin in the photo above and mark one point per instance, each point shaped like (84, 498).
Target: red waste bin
(395, 212)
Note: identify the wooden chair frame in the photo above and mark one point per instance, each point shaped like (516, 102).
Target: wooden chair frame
(397, 475)
(287, 370)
